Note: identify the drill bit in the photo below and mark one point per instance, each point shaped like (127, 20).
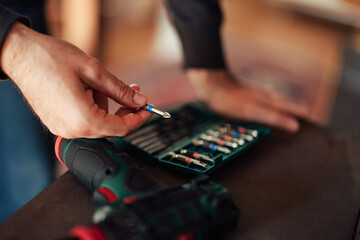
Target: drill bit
(248, 134)
(158, 111)
(187, 159)
(252, 132)
(196, 155)
(226, 137)
(235, 134)
(218, 141)
(211, 146)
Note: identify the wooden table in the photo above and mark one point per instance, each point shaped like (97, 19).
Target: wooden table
(302, 186)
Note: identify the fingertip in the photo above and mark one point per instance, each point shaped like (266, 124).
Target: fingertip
(292, 126)
(282, 121)
(139, 99)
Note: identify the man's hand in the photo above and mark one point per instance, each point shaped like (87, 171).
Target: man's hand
(67, 89)
(226, 96)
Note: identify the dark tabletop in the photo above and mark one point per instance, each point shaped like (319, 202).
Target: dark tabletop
(302, 186)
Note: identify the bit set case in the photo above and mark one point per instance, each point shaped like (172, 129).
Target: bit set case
(193, 140)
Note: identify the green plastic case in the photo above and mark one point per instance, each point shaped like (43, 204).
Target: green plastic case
(187, 123)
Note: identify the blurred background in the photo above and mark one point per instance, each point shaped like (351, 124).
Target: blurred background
(306, 50)
(295, 47)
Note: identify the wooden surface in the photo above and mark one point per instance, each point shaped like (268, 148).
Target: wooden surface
(303, 186)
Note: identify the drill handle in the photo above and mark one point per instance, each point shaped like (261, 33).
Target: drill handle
(102, 169)
(87, 160)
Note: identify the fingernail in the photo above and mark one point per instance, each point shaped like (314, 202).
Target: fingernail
(139, 99)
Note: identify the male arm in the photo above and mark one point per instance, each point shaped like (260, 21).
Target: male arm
(198, 24)
(66, 88)
(7, 19)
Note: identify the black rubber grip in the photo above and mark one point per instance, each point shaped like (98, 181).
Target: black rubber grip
(90, 163)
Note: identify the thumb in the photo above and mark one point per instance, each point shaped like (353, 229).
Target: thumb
(97, 77)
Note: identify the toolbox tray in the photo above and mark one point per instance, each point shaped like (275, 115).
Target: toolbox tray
(188, 122)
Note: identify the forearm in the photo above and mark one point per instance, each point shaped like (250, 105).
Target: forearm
(7, 20)
(13, 49)
(198, 25)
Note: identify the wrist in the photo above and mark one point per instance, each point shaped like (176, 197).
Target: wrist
(13, 48)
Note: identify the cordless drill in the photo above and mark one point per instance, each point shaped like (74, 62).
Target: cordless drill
(111, 176)
(133, 206)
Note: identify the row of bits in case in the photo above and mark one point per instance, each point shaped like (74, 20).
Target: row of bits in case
(157, 137)
(211, 143)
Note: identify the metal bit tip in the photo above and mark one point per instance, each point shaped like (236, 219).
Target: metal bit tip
(166, 115)
(156, 110)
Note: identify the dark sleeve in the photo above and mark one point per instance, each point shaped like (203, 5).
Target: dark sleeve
(7, 18)
(198, 25)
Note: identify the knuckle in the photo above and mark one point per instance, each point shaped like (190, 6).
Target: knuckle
(94, 68)
(121, 89)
